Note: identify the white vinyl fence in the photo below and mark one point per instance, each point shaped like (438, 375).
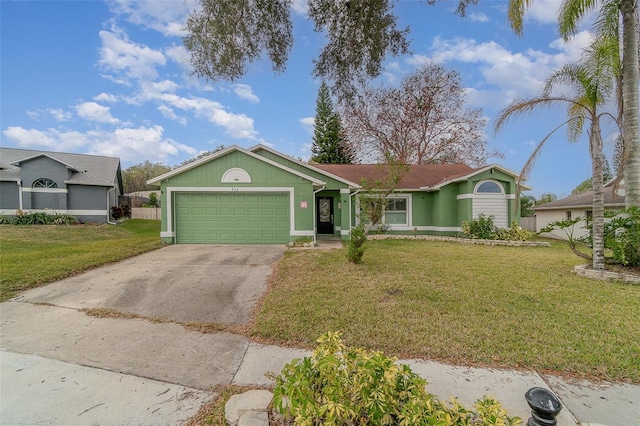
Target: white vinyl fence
(145, 213)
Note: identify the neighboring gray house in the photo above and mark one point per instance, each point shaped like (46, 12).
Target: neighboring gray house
(85, 186)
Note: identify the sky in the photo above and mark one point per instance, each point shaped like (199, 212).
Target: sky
(113, 78)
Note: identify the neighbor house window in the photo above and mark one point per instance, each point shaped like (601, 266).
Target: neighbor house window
(395, 211)
(44, 183)
(589, 215)
(568, 215)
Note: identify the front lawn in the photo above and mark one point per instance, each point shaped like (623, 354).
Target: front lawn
(34, 255)
(512, 307)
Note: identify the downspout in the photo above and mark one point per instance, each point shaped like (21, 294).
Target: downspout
(315, 230)
(20, 195)
(350, 212)
(109, 207)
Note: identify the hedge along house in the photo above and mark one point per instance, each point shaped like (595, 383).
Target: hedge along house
(260, 196)
(84, 186)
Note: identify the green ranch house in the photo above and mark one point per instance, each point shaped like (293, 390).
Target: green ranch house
(260, 196)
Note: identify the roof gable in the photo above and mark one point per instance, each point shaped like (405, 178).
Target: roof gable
(352, 184)
(87, 169)
(42, 154)
(584, 200)
(234, 148)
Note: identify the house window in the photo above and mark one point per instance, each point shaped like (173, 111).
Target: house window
(589, 215)
(489, 187)
(44, 183)
(395, 211)
(568, 213)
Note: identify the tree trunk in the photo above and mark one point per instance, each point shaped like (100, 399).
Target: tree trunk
(595, 141)
(630, 77)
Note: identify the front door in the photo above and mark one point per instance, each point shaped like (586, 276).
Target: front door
(325, 215)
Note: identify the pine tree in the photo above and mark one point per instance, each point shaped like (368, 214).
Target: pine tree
(329, 142)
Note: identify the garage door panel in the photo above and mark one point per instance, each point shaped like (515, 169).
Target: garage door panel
(232, 218)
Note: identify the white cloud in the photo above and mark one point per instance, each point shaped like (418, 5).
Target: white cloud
(300, 7)
(34, 115)
(127, 59)
(238, 126)
(60, 115)
(543, 11)
(178, 54)
(132, 144)
(478, 17)
(308, 124)
(30, 138)
(168, 112)
(245, 92)
(573, 49)
(166, 17)
(105, 97)
(95, 112)
(129, 144)
(504, 75)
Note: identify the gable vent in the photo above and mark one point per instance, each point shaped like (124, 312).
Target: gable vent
(236, 175)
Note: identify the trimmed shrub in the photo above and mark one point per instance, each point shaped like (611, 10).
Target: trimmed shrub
(481, 228)
(514, 233)
(341, 386)
(63, 219)
(6, 220)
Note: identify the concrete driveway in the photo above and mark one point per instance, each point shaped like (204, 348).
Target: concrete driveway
(60, 366)
(207, 283)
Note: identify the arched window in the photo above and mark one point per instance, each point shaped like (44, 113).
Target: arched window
(489, 187)
(44, 183)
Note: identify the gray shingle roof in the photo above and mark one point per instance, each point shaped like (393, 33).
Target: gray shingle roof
(88, 169)
(584, 199)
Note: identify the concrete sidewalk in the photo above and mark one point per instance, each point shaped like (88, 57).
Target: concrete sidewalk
(58, 351)
(583, 402)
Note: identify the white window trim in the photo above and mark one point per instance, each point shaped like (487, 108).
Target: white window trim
(396, 227)
(47, 190)
(12, 212)
(475, 190)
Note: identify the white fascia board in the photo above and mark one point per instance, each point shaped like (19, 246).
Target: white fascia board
(158, 179)
(473, 173)
(581, 207)
(352, 185)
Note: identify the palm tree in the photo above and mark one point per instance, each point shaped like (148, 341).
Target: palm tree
(610, 15)
(592, 82)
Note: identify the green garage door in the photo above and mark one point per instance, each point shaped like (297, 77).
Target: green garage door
(232, 218)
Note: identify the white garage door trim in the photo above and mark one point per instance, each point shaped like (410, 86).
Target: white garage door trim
(170, 232)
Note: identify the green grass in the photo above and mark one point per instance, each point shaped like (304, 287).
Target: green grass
(31, 256)
(512, 307)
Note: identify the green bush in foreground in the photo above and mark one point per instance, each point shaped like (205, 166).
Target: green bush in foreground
(355, 247)
(343, 386)
(38, 218)
(483, 228)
